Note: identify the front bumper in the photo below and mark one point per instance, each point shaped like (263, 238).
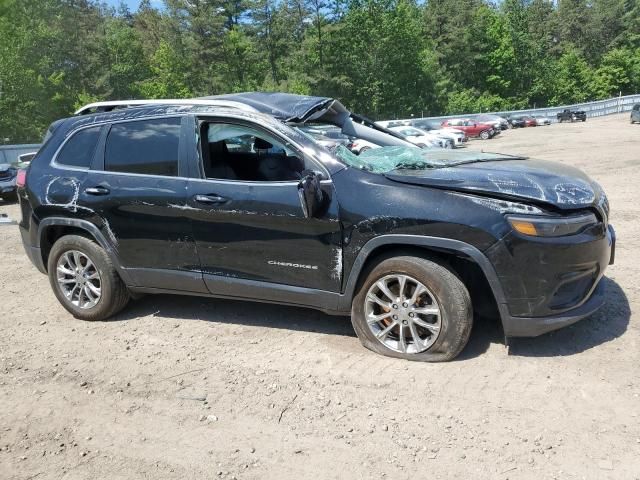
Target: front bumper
(8, 186)
(534, 326)
(551, 283)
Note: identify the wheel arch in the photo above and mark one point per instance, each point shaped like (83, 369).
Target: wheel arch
(454, 253)
(51, 229)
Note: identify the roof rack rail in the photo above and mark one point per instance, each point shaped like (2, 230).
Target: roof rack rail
(99, 107)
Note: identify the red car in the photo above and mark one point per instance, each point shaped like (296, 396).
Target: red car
(471, 128)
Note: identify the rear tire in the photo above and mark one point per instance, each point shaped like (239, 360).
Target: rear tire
(80, 264)
(449, 296)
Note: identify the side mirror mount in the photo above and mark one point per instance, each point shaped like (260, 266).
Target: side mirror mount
(310, 193)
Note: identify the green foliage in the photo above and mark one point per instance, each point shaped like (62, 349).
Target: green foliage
(383, 58)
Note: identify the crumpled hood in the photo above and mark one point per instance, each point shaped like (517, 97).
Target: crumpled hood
(286, 107)
(541, 181)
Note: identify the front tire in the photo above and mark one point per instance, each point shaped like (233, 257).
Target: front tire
(84, 280)
(485, 135)
(413, 308)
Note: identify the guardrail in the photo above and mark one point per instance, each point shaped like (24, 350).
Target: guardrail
(593, 109)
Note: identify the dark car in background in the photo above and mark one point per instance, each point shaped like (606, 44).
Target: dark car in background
(13, 158)
(568, 115)
(516, 121)
(409, 242)
(635, 113)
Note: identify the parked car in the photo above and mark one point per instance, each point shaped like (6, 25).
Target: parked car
(409, 242)
(423, 139)
(516, 121)
(471, 128)
(12, 158)
(360, 145)
(635, 113)
(498, 122)
(542, 120)
(458, 136)
(568, 115)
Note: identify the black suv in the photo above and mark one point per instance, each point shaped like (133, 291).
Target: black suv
(572, 116)
(228, 197)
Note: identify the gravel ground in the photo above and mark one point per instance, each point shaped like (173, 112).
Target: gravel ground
(181, 388)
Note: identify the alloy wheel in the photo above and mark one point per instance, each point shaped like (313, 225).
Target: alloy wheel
(79, 279)
(403, 314)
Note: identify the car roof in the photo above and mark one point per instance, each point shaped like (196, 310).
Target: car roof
(147, 111)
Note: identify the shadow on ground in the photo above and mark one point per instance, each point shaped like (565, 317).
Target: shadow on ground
(607, 324)
(237, 312)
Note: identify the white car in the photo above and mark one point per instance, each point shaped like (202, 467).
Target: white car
(457, 135)
(542, 120)
(422, 138)
(358, 146)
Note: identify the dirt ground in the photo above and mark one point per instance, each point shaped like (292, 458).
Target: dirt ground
(185, 388)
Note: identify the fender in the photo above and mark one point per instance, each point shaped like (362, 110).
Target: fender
(455, 246)
(90, 228)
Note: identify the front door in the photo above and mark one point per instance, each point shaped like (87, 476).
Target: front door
(248, 221)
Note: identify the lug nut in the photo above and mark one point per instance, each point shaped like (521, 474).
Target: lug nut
(412, 314)
(405, 305)
(395, 306)
(395, 317)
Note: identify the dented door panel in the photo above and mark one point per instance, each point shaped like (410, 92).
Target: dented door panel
(258, 231)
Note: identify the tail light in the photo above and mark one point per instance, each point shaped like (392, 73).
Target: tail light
(21, 178)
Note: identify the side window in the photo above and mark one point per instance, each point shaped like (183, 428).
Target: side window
(239, 152)
(80, 148)
(147, 146)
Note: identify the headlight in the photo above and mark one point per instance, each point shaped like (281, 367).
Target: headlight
(551, 226)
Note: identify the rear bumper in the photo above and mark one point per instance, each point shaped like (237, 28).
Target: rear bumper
(34, 253)
(532, 326)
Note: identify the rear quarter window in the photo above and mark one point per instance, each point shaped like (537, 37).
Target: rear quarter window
(144, 147)
(79, 150)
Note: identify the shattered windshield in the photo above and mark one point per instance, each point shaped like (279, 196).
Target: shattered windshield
(387, 159)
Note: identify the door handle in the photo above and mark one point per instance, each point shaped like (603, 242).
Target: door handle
(97, 191)
(210, 199)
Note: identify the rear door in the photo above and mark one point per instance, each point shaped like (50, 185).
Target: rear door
(247, 218)
(138, 186)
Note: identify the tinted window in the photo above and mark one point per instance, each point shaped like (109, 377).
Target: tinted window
(80, 148)
(149, 147)
(238, 152)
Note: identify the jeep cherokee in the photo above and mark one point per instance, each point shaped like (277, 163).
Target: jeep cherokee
(228, 197)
